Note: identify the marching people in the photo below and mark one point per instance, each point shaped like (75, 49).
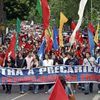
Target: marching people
(89, 62)
(29, 59)
(47, 62)
(78, 55)
(35, 63)
(98, 65)
(71, 61)
(9, 63)
(20, 64)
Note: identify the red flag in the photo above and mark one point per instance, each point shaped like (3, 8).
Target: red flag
(58, 92)
(11, 49)
(73, 25)
(91, 27)
(78, 37)
(45, 13)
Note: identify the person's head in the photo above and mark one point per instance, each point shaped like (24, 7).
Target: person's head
(66, 54)
(29, 54)
(88, 54)
(9, 63)
(34, 56)
(63, 81)
(98, 53)
(46, 56)
(70, 55)
(20, 55)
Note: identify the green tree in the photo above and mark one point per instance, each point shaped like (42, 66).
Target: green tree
(26, 9)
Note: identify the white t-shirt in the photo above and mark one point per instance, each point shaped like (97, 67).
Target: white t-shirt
(48, 62)
(64, 60)
(87, 63)
(29, 62)
(90, 63)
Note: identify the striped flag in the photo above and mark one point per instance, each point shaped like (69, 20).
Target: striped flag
(49, 39)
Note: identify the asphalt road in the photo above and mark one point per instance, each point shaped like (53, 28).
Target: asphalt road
(15, 95)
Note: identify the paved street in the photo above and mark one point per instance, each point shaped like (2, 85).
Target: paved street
(15, 95)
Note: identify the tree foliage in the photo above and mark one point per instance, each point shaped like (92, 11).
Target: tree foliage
(26, 9)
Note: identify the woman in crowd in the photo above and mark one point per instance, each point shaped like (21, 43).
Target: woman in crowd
(35, 64)
(47, 62)
(9, 63)
(21, 63)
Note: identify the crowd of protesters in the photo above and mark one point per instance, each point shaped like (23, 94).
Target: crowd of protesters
(26, 55)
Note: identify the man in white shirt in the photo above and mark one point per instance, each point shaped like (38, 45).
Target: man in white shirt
(90, 62)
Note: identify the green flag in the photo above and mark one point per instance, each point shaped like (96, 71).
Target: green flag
(38, 7)
(18, 30)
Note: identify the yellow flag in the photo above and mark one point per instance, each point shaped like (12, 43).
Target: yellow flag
(96, 37)
(63, 20)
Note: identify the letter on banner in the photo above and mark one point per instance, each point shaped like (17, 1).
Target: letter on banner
(19, 72)
(10, 72)
(50, 70)
(80, 68)
(57, 70)
(98, 70)
(3, 71)
(63, 69)
(42, 70)
(70, 69)
(76, 69)
(31, 72)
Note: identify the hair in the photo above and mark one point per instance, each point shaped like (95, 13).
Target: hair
(62, 79)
